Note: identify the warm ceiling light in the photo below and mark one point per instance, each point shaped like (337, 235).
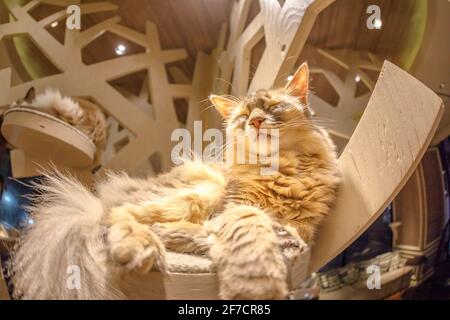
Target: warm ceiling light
(54, 24)
(357, 78)
(377, 23)
(120, 49)
(289, 78)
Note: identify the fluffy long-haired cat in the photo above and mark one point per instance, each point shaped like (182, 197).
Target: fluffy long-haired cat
(84, 116)
(231, 212)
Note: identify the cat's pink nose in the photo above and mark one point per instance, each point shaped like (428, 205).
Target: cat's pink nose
(256, 122)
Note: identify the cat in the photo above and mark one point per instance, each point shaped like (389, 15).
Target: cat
(81, 114)
(231, 212)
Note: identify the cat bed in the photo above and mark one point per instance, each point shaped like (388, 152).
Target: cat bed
(193, 277)
(47, 137)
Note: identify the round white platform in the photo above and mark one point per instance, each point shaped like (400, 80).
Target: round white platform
(47, 137)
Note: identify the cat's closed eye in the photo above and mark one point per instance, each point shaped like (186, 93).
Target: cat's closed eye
(279, 108)
(240, 120)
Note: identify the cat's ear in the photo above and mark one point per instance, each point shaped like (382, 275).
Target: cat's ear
(222, 104)
(31, 94)
(298, 85)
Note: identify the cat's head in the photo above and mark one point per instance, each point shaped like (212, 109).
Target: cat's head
(285, 109)
(27, 100)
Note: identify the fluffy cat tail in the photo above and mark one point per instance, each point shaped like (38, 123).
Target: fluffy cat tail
(66, 107)
(62, 255)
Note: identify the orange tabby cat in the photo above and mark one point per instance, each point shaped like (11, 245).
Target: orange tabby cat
(234, 213)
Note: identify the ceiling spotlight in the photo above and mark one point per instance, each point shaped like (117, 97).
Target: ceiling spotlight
(357, 78)
(289, 78)
(377, 24)
(54, 24)
(121, 49)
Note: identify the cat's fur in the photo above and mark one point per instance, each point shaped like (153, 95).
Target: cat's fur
(233, 213)
(84, 116)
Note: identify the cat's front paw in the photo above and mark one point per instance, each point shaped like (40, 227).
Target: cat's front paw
(135, 247)
(264, 287)
(288, 238)
(247, 255)
(183, 236)
(289, 241)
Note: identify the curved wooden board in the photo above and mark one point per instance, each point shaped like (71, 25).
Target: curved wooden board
(394, 132)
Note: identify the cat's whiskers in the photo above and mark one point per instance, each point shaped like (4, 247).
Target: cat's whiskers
(233, 98)
(224, 148)
(228, 83)
(207, 108)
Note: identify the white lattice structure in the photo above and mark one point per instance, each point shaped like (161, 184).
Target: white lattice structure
(284, 25)
(146, 135)
(346, 113)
